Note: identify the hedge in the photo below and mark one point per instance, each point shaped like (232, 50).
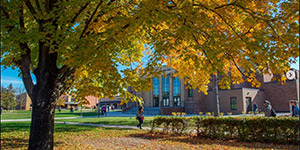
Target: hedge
(175, 125)
(283, 130)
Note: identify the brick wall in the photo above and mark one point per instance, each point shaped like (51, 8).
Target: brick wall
(256, 96)
(225, 105)
(169, 110)
(280, 95)
(93, 101)
(194, 104)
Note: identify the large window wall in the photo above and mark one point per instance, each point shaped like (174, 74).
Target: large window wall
(176, 91)
(165, 91)
(155, 92)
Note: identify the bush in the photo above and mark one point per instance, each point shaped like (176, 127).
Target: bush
(283, 130)
(177, 125)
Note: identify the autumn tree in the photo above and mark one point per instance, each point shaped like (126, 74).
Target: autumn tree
(79, 45)
(69, 45)
(8, 98)
(60, 102)
(231, 39)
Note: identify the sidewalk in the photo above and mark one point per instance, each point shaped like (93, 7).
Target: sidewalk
(103, 125)
(120, 114)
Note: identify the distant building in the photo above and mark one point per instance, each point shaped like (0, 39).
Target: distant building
(23, 102)
(171, 95)
(93, 101)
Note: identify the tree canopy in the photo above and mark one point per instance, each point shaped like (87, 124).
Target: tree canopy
(91, 39)
(8, 98)
(79, 45)
(236, 39)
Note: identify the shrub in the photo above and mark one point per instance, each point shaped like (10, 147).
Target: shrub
(259, 129)
(177, 125)
(283, 130)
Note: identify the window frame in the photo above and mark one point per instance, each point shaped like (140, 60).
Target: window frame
(191, 92)
(231, 103)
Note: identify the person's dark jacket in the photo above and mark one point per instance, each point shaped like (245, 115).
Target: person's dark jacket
(268, 109)
(295, 110)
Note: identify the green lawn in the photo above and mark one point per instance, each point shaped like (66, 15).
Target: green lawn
(25, 114)
(112, 120)
(15, 135)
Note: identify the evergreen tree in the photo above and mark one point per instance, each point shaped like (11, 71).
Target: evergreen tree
(8, 98)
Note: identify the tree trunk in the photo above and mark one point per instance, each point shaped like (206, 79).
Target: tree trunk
(217, 110)
(42, 120)
(44, 96)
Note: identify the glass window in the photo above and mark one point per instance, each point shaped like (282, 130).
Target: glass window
(176, 91)
(155, 92)
(165, 90)
(233, 103)
(190, 91)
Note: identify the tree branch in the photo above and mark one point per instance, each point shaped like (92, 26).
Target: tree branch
(90, 19)
(6, 14)
(202, 49)
(25, 62)
(49, 5)
(32, 10)
(230, 4)
(79, 12)
(38, 6)
(252, 13)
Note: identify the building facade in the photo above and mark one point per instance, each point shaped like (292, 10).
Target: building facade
(23, 102)
(68, 101)
(170, 94)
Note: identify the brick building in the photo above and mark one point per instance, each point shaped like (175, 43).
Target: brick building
(170, 94)
(23, 102)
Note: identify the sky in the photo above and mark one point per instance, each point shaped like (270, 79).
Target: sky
(9, 75)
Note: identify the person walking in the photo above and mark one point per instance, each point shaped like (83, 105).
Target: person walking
(295, 109)
(104, 110)
(140, 117)
(254, 108)
(269, 111)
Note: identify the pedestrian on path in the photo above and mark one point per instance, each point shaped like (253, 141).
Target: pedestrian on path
(269, 111)
(140, 117)
(104, 110)
(254, 108)
(295, 109)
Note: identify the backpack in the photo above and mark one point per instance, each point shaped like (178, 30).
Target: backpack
(273, 113)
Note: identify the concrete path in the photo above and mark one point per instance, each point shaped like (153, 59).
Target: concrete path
(120, 114)
(103, 125)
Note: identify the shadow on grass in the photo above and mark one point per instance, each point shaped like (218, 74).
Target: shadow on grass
(15, 126)
(14, 143)
(7, 127)
(18, 143)
(75, 114)
(120, 122)
(198, 141)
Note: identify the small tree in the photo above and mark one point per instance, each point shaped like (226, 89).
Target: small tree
(8, 98)
(60, 102)
(19, 98)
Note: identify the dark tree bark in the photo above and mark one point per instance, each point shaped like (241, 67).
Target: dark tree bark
(50, 80)
(44, 96)
(42, 121)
